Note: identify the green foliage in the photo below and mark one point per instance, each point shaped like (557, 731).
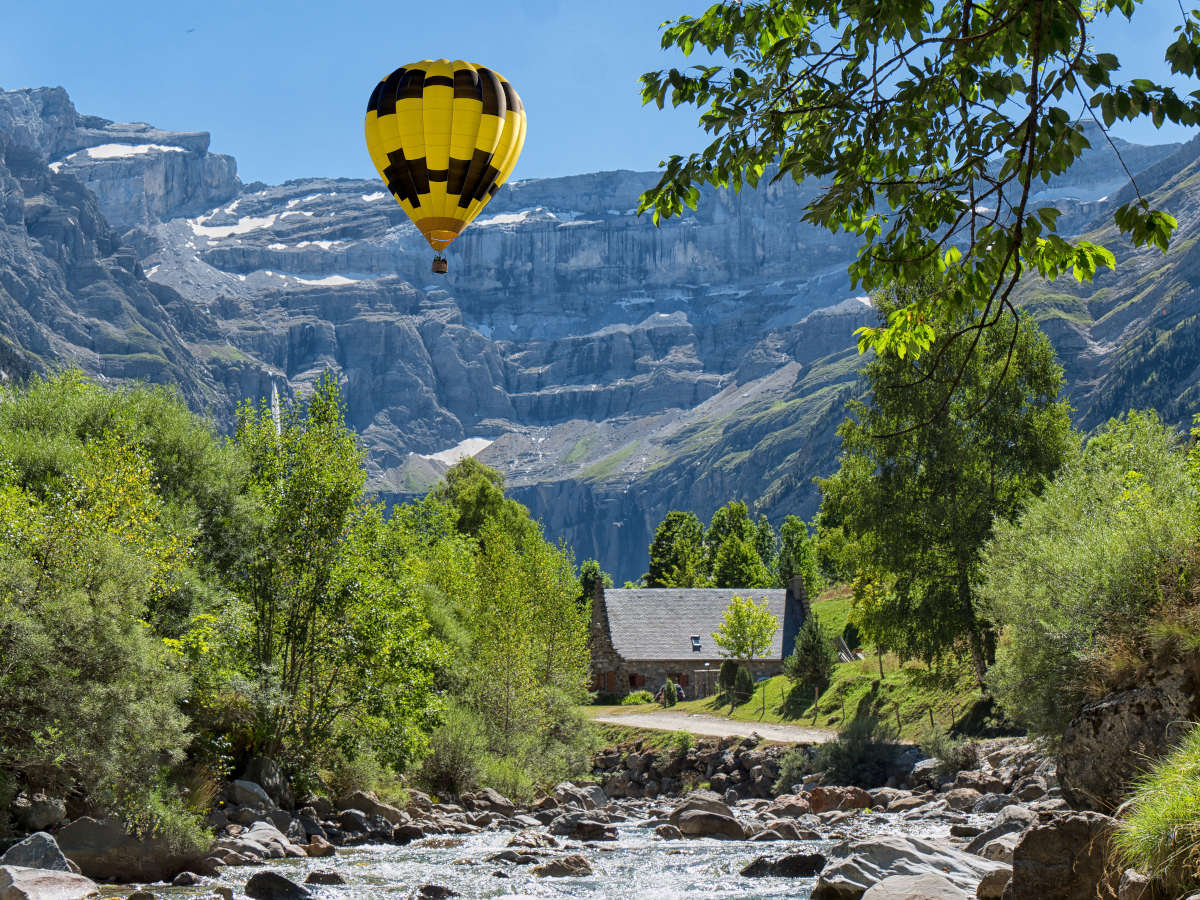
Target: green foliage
(677, 552)
(743, 686)
(927, 126)
(333, 646)
(1159, 835)
(456, 749)
(670, 693)
(953, 754)
(862, 755)
(746, 629)
(1080, 570)
(797, 555)
(811, 663)
(682, 741)
(636, 698)
(794, 766)
(88, 694)
(591, 575)
(737, 564)
(727, 675)
(940, 452)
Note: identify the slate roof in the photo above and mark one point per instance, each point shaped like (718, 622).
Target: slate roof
(658, 623)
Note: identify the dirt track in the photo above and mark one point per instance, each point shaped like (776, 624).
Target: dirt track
(717, 726)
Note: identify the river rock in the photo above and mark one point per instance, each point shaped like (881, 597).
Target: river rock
(824, 799)
(701, 823)
(273, 886)
(38, 851)
(993, 884)
(432, 892)
(247, 793)
(571, 866)
(587, 830)
(25, 883)
(418, 802)
(1065, 858)
(318, 848)
(706, 801)
(262, 840)
(533, 840)
(791, 865)
(40, 812)
(371, 805)
(856, 865)
(668, 832)
(961, 799)
(266, 774)
(104, 851)
(1136, 886)
(407, 833)
(324, 876)
(916, 887)
(788, 806)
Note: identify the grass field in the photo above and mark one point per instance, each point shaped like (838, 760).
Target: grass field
(908, 697)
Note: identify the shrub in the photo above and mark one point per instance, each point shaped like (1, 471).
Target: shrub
(728, 675)
(743, 688)
(1160, 834)
(637, 697)
(862, 755)
(793, 767)
(509, 776)
(670, 693)
(811, 663)
(1080, 569)
(851, 636)
(161, 813)
(682, 741)
(456, 749)
(953, 754)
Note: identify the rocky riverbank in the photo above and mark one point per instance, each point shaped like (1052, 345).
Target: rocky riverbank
(998, 829)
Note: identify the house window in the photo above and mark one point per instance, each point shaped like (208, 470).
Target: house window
(695, 643)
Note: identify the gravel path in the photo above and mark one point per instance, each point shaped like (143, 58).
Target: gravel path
(717, 726)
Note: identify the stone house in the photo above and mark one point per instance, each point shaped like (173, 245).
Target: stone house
(641, 637)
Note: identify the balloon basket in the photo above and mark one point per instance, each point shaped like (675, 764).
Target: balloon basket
(440, 266)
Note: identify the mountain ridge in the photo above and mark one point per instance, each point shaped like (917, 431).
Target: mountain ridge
(610, 370)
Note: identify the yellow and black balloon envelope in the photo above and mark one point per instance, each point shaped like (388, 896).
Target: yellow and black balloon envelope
(444, 137)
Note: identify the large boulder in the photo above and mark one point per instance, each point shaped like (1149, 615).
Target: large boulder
(491, 799)
(855, 866)
(1111, 741)
(103, 850)
(251, 794)
(373, 806)
(39, 812)
(23, 883)
(823, 799)
(701, 823)
(38, 851)
(262, 841)
(791, 865)
(916, 887)
(705, 801)
(273, 886)
(266, 774)
(1064, 858)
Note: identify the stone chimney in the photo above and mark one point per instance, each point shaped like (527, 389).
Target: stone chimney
(796, 608)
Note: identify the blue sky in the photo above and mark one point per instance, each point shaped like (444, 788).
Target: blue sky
(282, 86)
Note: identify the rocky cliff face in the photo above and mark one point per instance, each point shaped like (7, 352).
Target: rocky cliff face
(610, 369)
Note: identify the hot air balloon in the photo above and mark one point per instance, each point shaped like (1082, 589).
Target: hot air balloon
(444, 136)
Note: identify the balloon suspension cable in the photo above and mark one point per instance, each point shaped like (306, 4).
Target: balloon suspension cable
(440, 266)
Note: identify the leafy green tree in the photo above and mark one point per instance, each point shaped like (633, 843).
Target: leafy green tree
(797, 555)
(730, 521)
(591, 575)
(766, 543)
(330, 641)
(746, 629)
(919, 487)
(677, 552)
(477, 492)
(743, 687)
(737, 564)
(928, 127)
(1081, 570)
(89, 696)
(811, 662)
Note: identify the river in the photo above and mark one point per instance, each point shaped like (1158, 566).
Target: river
(637, 865)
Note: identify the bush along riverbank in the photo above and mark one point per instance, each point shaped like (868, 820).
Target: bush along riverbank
(990, 822)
